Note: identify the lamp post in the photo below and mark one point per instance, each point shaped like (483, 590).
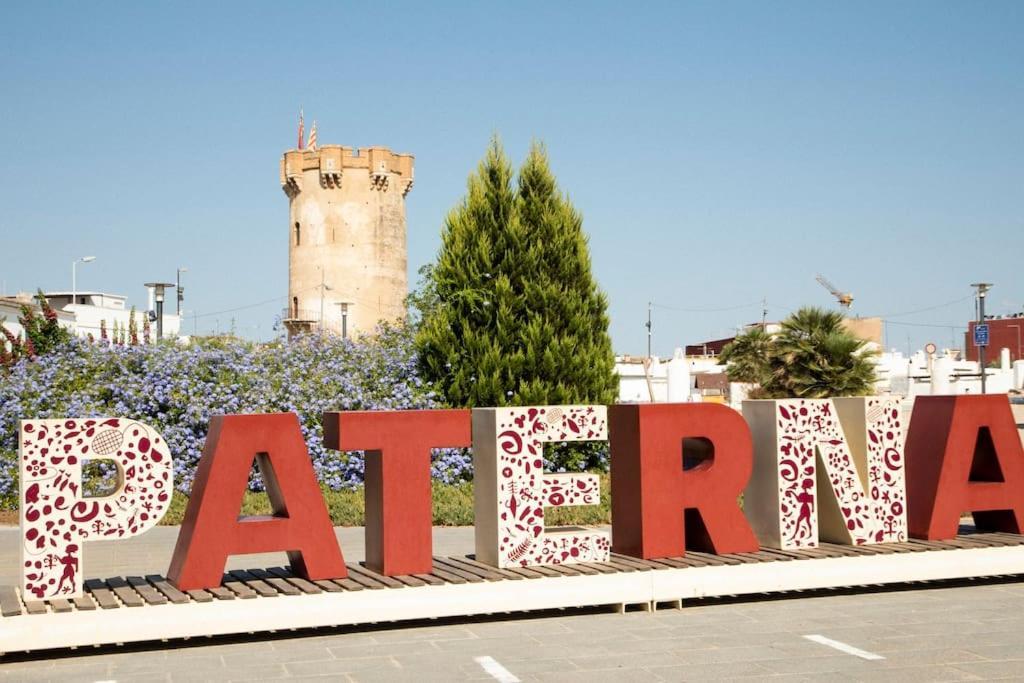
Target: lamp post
(982, 288)
(74, 276)
(158, 294)
(181, 290)
(343, 307)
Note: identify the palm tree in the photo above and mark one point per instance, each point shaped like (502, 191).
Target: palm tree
(748, 357)
(814, 356)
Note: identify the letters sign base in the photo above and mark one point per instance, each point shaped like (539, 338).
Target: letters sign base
(139, 609)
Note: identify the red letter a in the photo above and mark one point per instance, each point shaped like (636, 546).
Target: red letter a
(660, 502)
(963, 455)
(212, 529)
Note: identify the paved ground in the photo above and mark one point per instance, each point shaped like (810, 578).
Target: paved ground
(952, 633)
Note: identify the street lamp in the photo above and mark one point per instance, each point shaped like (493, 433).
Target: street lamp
(343, 306)
(74, 276)
(158, 293)
(982, 288)
(181, 290)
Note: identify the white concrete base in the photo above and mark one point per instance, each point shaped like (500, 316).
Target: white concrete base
(122, 625)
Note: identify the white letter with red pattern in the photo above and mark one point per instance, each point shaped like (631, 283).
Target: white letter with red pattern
(511, 488)
(850, 450)
(56, 517)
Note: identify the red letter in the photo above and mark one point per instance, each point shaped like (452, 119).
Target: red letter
(212, 529)
(652, 493)
(964, 455)
(398, 501)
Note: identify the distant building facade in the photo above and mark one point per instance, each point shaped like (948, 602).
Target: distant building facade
(867, 329)
(92, 309)
(10, 313)
(84, 313)
(347, 253)
(1006, 332)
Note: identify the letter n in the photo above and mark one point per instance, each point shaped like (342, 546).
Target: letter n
(964, 454)
(213, 530)
(828, 468)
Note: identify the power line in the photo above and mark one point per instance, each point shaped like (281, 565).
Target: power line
(706, 310)
(897, 322)
(241, 308)
(930, 308)
(269, 301)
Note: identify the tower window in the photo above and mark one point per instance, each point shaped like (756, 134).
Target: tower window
(298, 234)
(295, 307)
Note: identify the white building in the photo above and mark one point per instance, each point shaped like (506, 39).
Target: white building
(91, 308)
(944, 373)
(654, 380)
(83, 313)
(650, 381)
(10, 312)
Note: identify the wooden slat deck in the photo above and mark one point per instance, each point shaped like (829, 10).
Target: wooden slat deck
(119, 609)
(155, 590)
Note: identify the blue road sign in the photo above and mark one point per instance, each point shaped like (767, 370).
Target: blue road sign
(981, 335)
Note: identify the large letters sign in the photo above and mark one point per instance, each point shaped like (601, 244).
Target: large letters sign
(964, 454)
(826, 467)
(806, 468)
(512, 489)
(57, 517)
(213, 530)
(397, 488)
(658, 507)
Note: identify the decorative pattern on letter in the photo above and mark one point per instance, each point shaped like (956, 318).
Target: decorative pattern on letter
(56, 518)
(524, 489)
(872, 514)
(798, 515)
(885, 464)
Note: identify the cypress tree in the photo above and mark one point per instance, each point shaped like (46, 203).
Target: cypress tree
(518, 318)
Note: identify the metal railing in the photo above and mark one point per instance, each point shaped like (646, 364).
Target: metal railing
(302, 314)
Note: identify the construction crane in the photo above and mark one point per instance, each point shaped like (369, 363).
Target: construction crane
(845, 299)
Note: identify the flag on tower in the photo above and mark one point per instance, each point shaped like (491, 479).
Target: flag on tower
(302, 127)
(312, 137)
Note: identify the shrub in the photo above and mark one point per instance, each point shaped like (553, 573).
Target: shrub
(177, 389)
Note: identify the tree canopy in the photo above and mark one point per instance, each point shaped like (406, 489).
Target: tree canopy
(515, 316)
(812, 356)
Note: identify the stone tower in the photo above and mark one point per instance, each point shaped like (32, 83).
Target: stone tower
(346, 237)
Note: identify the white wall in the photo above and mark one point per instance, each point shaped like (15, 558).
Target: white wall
(88, 318)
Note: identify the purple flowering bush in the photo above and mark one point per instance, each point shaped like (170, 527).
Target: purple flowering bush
(176, 389)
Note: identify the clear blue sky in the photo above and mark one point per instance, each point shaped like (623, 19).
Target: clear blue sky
(720, 152)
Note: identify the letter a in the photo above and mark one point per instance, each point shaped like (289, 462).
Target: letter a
(212, 529)
(964, 454)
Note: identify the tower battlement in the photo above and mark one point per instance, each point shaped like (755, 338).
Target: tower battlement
(347, 262)
(386, 169)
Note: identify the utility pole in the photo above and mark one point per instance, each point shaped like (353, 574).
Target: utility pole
(982, 288)
(323, 294)
(764, 314)
(649, 305)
